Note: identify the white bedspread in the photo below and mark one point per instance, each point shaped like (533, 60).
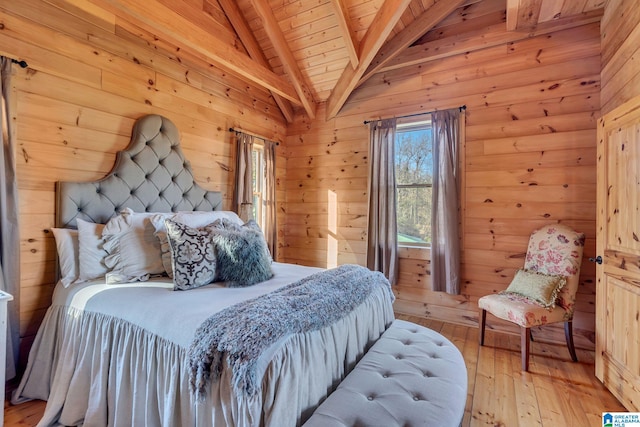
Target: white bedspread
(116, 355)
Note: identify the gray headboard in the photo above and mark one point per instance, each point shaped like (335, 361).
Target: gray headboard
(151, 175)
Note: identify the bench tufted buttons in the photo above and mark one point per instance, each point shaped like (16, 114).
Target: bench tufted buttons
(79, 209)
(340, 408)
(97, 190)
(146, 209)
(131, 192)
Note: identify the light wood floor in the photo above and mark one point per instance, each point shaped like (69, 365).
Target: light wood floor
(555, 391)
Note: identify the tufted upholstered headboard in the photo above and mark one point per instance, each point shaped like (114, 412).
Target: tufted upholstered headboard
(151, 175)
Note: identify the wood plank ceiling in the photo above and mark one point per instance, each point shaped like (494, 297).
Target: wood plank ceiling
(309, 51)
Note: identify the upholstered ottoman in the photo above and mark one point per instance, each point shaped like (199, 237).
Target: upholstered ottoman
(412, 376)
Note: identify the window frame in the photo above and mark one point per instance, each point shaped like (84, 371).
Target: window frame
(403, 126)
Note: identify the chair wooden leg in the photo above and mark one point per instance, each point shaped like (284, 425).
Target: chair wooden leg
(525, 336)
(568, 334)
(482, 321)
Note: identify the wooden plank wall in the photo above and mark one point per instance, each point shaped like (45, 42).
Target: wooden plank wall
(90, 76)
(620, 32)
(530, 157)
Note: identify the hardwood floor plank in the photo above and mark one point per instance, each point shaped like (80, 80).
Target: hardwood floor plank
(528, 412)
(483, 407)
(504, 384)
(470, 354)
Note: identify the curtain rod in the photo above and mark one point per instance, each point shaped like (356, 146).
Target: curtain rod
(22, 64)
(461, 108)
(253, 134)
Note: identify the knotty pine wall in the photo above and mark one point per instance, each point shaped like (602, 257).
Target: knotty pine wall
(90, 76)
(529, 159)
(620, 32)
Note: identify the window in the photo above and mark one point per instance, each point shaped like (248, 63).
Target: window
(414, 178)
(258, 179)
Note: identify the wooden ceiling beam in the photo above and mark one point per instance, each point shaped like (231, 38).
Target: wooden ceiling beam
(153, 16)
(275, 35)
(387, 17)
(348, 35)
(242, 29)
(522, 15)
(493, 35)
(423, 23)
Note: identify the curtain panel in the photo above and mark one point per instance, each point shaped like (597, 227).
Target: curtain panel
(9, 237)
(445, 217)
(382, 245)
(243, 194)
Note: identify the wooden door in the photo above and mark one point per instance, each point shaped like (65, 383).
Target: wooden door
(618, 243)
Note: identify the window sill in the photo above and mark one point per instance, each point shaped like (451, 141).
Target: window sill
(400, 245)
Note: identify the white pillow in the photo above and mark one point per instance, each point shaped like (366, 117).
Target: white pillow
(91, 254)
(67, 246)
(193, 219)
(133, 249)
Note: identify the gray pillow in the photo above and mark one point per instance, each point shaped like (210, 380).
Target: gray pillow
(193, 256)
(243, 258)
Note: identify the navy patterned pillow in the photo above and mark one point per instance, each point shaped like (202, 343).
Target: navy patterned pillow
(193, 256)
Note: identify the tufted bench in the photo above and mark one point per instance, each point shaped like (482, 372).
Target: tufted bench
(412, 376)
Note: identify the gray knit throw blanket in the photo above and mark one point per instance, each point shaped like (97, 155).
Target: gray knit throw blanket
(243, 331)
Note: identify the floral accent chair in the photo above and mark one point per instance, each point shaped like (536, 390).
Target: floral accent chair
(554, 251)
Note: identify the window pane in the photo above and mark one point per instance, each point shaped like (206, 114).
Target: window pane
(414, 215)
(254, 169)
(257, 204)
(414, 157)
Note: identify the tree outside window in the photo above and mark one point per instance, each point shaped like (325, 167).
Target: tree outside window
(414, 178)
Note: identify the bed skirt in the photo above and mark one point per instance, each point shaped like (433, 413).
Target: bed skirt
(98, 370)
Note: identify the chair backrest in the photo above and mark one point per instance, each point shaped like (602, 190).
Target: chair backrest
(557, 250)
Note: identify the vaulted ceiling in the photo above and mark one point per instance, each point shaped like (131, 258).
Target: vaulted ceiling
(310, 51)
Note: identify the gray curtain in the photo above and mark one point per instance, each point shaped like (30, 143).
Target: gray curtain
(243, 195)
(270, 226)
(382, 245)
(9, 238)
(445, 244)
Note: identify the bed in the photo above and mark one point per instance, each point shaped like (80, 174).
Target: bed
(118, 346)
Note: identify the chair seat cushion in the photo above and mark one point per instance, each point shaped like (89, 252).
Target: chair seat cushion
(519, 310)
